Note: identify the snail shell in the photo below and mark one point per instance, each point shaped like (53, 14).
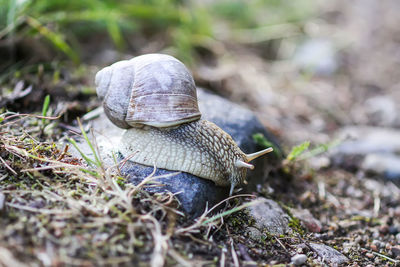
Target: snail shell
(152, 89)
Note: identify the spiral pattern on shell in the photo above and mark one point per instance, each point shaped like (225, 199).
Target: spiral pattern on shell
(153, 89)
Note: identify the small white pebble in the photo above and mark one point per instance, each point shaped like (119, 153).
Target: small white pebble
(2, 199)
(299, 259)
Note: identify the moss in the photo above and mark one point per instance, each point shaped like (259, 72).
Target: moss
(295, 225)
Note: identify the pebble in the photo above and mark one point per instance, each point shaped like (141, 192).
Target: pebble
(393, 230)
(396, 251)
(384, 229)
(374, 247)
(299, 259)
(330, 255)
(269, 216)
(307, 220)
(347, 247)
(377, 243)
(398, 238)
(254, 234)
(2, 200)
(381, 110)
(369, 255)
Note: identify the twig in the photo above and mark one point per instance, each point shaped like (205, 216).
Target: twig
(234, 255)
(385, 257)
(63, 153)
(280, 243)
(44, 211)
(175, 255)
(50, 167)
(222, 260)
(8, 166)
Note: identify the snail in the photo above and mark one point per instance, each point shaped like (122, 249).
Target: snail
(154, 97)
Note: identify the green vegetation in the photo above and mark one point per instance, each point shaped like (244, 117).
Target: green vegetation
(297, 151)
(89, 214)
(261, 140)
(181, 26)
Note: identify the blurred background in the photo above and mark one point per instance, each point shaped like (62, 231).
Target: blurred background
(306, 67)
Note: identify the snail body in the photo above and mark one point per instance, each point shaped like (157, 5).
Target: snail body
(154, 97)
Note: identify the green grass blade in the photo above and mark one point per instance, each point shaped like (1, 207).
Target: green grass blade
(88, 160)
(97, 160)
(236, 209)
(45, 108)
(55, 38)
(115, 33)
(260, 139)
(298, 150)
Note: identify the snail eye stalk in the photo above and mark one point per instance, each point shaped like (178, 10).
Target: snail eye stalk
(250, 157)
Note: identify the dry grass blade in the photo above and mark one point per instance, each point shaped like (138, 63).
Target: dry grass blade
(44, 211)
(7, 258)
(7, 166)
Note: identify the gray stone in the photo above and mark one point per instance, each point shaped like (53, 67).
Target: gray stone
(363, 140)
(298, 259)
(317, 55)
(269, 216)
(386, 164)
(329, 255)
(307, 220)
(398, 237)
(194, 193)
(254, 234)
(372, 149)
(381, 110)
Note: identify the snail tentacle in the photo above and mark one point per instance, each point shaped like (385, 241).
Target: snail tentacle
(242, 164)
(257, 154)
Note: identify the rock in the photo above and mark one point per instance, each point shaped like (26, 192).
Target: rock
(317, 55)
(393, 230)
(396, 251)
(381, 110)
(194, 193)
(378, 244)
(328, 254)
(385, 164)
(371, 149)
(307, 220)
(298, 259)
(364, 140)
(269, 216)
(254, 234)
(348, 246)
(369, 255)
